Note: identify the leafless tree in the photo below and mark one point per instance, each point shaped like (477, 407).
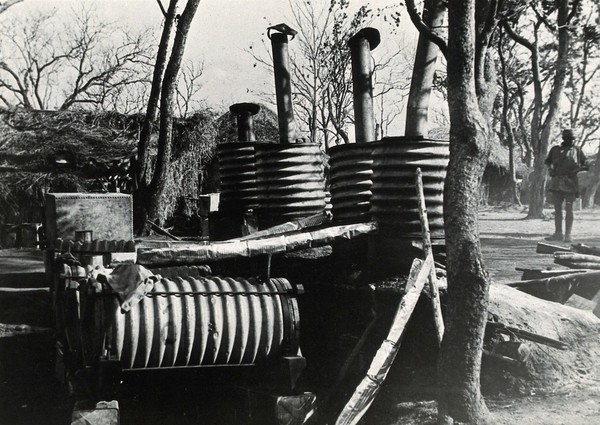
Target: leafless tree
(188, 87)
(151, 192)
(322, 84)
(47, 62)
(6, 4)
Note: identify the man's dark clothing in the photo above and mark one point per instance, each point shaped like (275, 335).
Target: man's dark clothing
(564, 162)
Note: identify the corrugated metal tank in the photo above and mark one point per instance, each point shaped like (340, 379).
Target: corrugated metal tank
(290, 180)
(394, 202)
(237, 169)
(198, 321)
(351, 171)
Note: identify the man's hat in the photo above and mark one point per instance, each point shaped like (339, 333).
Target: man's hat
(568, 133)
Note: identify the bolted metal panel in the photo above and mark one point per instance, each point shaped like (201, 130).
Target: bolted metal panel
(108, 215)
(188, 321)
(290, 181)
(237, 168)
(351, 174)
(394, 202)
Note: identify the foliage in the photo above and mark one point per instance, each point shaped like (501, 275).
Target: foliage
(100, 146)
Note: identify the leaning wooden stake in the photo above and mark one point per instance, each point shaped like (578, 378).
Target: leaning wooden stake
(369, 387)
(433, 288)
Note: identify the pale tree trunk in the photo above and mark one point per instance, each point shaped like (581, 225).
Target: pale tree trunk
(423, 71)
(158, 185)
(459, 366)
(590, 193)
(541, 132)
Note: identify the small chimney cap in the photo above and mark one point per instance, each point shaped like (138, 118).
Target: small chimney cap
(370, 34)
(282, 28)
(244, 108)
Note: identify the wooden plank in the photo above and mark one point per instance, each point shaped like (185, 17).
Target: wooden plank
(576, 257)
(540, 339)
(580, 303)
(534, 274)
(596, 300)
(382, 362)
(585, 249)
(427, 250)
(559, 288)
(546, 248)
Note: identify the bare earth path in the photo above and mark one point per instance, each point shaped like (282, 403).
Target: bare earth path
(509, 241)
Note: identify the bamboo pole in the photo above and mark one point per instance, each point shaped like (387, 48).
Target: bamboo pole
(382, 362)
(433, 288)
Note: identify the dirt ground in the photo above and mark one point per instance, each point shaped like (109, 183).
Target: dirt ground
(29, 395)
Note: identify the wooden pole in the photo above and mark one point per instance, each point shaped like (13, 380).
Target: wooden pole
(382, 362)
(433, 288)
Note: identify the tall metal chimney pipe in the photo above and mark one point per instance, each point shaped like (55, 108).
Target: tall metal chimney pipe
(361, 44)
(283, 88)
(245, 125)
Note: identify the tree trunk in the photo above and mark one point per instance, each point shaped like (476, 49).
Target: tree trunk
(538, 182)
(459, 365)
(594, 183)
(515, 189)
(158, 185)
(152, 110)
(423, 72)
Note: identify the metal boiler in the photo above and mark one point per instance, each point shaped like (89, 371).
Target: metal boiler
(290, 176)
(184, 321)
(237, 164)
(351, 164)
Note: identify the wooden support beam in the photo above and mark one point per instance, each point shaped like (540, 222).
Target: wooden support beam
(382, 362)
(585, 249)
(530, 336)
(559, 288)
(546, 248)
(428, 251)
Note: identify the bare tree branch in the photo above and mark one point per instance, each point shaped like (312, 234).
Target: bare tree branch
(420, 25)
(5, 5)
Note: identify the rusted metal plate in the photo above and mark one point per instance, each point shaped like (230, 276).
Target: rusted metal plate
(109, 215)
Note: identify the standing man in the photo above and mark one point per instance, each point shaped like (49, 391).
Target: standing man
(564, 162)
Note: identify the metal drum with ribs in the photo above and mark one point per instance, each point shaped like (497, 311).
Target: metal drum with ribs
(189, 322)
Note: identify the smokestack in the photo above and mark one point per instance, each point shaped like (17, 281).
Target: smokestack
(245, 125)
(361, 44)
(283, 88)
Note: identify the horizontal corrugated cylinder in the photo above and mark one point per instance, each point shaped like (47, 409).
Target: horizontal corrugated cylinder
(290, 180)
(183, 271)
(351, 171)
(237, 170)
(394, 203)
(204, 321)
